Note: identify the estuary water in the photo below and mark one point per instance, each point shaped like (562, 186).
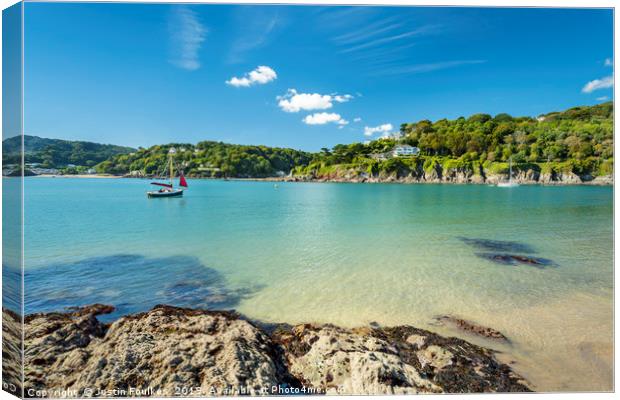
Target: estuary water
(348, 254)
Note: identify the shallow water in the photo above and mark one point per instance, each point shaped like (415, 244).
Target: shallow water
(348, 254)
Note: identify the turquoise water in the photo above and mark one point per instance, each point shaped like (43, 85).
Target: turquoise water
(349, 254)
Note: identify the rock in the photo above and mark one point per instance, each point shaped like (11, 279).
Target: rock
(94, 309)
(349, 362)
(54, 339)
(164, 349)
(497, 245)
(11, 352)
(416, 340)
(457, 175)
(527, 176)
(513, 259)
(436, 173)
(478, 179)
(435, 356)
(568, 177)
(531, 175)
(399, 360)
(453, 364)
(169, 350)
(471, 327)
(546, 178)
(181, 280)
(603, 180)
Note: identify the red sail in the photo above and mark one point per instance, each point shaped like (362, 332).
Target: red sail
(162, 184)
(182, 181)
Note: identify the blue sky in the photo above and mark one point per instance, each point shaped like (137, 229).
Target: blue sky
(299, 76)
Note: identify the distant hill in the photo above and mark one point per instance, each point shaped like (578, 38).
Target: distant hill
(583, 113)
(31, 144)
(578, 140)
(209, 159)
(58, 153)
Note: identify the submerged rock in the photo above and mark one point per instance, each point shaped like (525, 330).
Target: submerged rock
(133, 283)
(514, 259)
(171, 351)
(497, 245)
(471, 327)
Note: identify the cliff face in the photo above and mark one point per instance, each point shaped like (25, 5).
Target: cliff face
(438, 174)
(171, 351)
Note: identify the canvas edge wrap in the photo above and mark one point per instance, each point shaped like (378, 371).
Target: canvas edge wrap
(12, 203)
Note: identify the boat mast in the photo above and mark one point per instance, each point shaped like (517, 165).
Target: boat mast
(170, 154)
(510, 171)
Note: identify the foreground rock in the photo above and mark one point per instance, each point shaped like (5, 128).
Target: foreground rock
(11, 352)
(171, 351)
(399, 360)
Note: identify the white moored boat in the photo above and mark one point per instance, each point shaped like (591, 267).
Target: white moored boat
(510, 183)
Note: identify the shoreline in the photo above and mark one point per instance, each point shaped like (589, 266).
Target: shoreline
(209, 352)
(599, 181)
(80, 176)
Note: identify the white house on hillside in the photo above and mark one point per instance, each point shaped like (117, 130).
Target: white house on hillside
(404, 150)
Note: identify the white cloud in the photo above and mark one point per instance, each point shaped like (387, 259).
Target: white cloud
(187, 35)
(603, 83)
(293, 101)
(385, 129)
(325, 118)
(239, 82)
(260, 76)
(342, 98)
(357, 119)
(602, 98)
(609, 62)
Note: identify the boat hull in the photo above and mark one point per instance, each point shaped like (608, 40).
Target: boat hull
(166, 193)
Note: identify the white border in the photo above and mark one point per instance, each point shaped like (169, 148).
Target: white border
(437, 3)
(472, 3)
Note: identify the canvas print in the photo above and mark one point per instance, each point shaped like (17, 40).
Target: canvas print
(227, 199)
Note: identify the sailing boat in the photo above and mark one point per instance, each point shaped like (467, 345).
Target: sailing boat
(510, 183)
(168, 189)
